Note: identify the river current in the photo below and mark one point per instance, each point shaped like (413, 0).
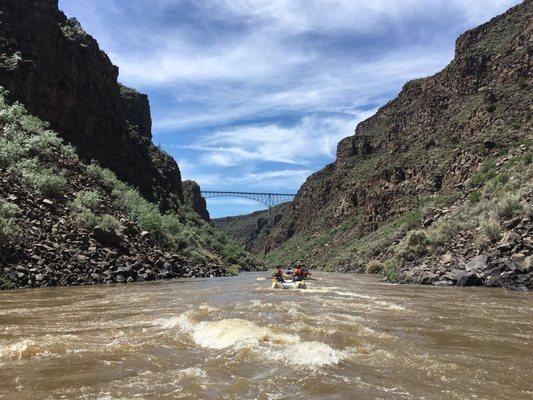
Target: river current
(345, 337)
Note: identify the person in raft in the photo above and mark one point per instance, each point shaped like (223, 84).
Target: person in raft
(278, 275)
(298, 274)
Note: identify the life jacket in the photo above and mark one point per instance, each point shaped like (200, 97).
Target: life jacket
(298, 272)
(278, 275)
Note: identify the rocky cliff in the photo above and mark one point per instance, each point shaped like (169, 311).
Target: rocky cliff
(65, 220)
(434, 150)
(58, 71)
(192, 196)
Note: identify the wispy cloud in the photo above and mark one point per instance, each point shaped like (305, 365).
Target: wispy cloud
(259, 181)
(311, 138)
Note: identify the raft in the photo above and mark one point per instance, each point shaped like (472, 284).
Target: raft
(288, 285)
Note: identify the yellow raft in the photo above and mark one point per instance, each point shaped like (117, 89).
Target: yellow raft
(288, 285)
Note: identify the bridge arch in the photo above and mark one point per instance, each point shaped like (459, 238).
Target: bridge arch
(268, 199)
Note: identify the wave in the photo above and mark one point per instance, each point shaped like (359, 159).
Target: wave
(265, 342)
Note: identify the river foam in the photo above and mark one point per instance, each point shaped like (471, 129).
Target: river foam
(265, 342)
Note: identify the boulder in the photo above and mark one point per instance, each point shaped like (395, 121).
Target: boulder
(477, 264)
(106, 237)
(470, 279)
(522, 263)
(428, 278)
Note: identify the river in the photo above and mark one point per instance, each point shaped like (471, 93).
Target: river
(345, 337)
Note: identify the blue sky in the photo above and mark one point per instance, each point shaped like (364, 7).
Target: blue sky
(254, 95)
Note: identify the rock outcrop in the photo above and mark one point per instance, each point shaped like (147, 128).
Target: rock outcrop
(192, 196)
(59, 73)
(421, 148)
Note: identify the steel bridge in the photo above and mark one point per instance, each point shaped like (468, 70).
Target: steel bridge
(268, 199)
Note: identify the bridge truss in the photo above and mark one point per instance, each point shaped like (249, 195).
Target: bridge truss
(268, 199)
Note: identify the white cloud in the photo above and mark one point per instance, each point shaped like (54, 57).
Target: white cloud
(311, 138)
(266, 180)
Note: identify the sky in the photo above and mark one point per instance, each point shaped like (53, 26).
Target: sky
(254, 95)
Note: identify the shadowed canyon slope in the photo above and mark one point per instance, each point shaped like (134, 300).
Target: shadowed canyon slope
(59, 73)
(445, 148)
(249, 229)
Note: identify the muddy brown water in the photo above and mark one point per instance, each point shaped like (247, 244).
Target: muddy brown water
(345, 337)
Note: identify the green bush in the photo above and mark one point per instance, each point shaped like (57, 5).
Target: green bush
(491, 230)
(85, 218)
(40, 179)
(374, 267)
(11, 149)
(233, 270)
(73, 30)
(414, 245)
(508, 208)
(391, 269)
(6, 283)
(9, 230)
(12, 61)
(105, 177)
(474, 197)
(87, 199)
(108, 222)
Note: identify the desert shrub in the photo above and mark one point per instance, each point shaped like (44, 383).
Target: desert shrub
(8, 210)
(9, 230)
(108, 222)
(44, 144)
(12, 149)
(195, 257)
(529, 211)
(391, 269)
(233, 270)
(12, 61)
(232, 252)
(40, 179)
(491, 230)
(508, 207)
(105, 177)
(6, 283)
(474, 197)
(85, 218)
(487, 171)
(374, 267)
(87, 199)
(414, 245)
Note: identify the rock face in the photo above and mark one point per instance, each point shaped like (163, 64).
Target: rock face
(192, 196)
(59, 73)
(249, 229)
(422, 146)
